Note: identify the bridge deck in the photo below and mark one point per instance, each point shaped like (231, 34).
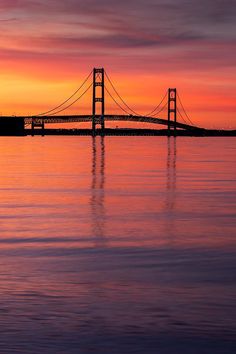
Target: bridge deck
(127, 118)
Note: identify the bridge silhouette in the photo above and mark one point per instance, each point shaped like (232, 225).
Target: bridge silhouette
(101, 85)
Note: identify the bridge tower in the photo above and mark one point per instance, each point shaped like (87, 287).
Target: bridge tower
(172, 108)
(98, 103)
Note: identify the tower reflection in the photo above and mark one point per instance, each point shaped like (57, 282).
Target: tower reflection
(171, 173)
(171, 184)
(97, 188)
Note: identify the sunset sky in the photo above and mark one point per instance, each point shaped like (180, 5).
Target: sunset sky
(49, 46)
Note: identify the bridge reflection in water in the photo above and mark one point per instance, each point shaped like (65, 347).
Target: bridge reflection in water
(98, 189)
(171, 189)
(171, 173)
(97, 200)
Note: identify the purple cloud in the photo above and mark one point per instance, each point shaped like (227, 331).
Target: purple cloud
(150, 30)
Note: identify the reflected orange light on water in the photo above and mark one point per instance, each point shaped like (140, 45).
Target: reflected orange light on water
(87, 183)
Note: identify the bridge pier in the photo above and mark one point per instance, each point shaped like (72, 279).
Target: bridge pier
(37, 123)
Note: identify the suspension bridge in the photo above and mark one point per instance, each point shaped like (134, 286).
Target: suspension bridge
(169, 112)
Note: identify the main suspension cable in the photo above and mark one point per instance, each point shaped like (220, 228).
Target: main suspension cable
(129, 108)
(71, 104)
(181, 116)
(162, 109)
(152, 112)
(184, 109)
(68, 99)
(122, 100)
(116, 101)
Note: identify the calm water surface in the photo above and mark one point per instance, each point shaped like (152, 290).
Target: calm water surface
(117, 245)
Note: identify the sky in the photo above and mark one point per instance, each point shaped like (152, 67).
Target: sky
(48, 47)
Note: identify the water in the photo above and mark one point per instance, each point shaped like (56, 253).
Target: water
(117, 245)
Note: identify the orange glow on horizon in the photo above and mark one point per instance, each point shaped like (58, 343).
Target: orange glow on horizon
(210, 106)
